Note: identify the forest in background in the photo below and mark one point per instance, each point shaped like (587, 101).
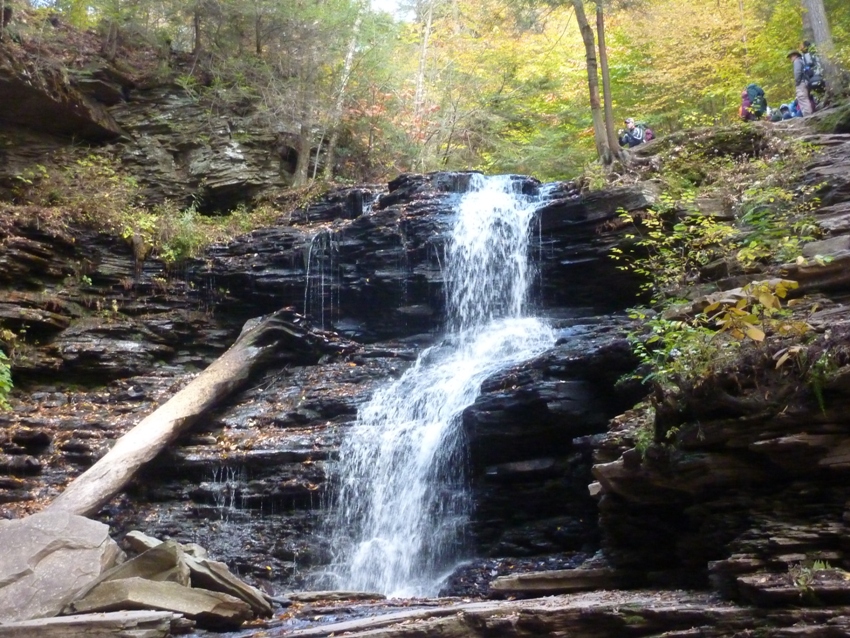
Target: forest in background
(496, 85)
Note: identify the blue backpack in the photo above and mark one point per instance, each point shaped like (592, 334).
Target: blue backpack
(813, 72)
(758, 102)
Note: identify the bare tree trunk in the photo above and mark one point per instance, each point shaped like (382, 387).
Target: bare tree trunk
(602, 148)
(318, 152)
(808, 30)
(255, 347)
(196, 25)
(305, 131)
(336, 114)
(2, 19)
(258, 35)
(419, 95)
(815, 13)
(611, 133)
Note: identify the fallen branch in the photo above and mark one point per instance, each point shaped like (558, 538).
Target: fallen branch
(260, 342)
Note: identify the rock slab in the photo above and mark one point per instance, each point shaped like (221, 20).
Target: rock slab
(211, 610)
(55, 555)
(120, 624)
(560, 581)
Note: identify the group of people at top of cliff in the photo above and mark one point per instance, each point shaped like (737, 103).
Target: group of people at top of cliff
(809, 88)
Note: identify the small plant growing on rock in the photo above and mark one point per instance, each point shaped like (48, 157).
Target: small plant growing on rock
(6, 336)
(757, 313)
(676, 241)
(776, 223)
(677, 352)
(820, 372)
(803, 576)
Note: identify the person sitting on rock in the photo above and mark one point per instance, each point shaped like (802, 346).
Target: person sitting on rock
(633, 135)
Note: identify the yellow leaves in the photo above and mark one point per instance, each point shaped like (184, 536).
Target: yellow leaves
(786, 353)
(754, 333)
(758, 309)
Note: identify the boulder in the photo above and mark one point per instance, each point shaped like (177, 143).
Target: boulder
(164, 562)
(55, 555)
(200, 571)
(140, 542)
(213, 575)
(211, 610)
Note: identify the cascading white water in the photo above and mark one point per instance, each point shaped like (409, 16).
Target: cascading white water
(402, 503)
(321, 292)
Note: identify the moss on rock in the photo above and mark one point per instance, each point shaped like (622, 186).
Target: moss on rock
(835, 121)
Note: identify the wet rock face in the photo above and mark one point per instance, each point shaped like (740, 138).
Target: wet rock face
(367, 262)
(529, 464)
(249, 481)
(576, 234)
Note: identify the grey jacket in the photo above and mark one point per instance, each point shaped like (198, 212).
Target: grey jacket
(798, 71)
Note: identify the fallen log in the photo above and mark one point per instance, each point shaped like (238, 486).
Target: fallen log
(261, 341)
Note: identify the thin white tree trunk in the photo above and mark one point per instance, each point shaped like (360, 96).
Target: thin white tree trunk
(419, 95)
(336, 114)
(602, 148)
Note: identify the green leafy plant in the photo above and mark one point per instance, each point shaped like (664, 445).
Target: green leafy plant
(6, 337)
(676, 352)
(819, 373)
(803, 575)
(672, 241)
(5, 380)
(776, 223)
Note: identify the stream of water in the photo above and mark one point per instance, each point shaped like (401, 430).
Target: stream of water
(402, 503)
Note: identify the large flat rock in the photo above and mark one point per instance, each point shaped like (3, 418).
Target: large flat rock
(215, 576)
(55, 555)
(208, 608)
(560, 581)
(119, 624)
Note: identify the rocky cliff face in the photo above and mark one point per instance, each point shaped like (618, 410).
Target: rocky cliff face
(215, 154)
(743, 482)
(104, 338)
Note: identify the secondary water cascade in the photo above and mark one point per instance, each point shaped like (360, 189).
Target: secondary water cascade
(402, 501)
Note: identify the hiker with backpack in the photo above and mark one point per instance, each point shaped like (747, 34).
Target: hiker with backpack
(812, 68)
(635, 133)
(801, 84)
(753, 103)
(813, 72)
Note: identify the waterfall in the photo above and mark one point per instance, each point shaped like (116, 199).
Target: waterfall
(402, 502)
(321, 293)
